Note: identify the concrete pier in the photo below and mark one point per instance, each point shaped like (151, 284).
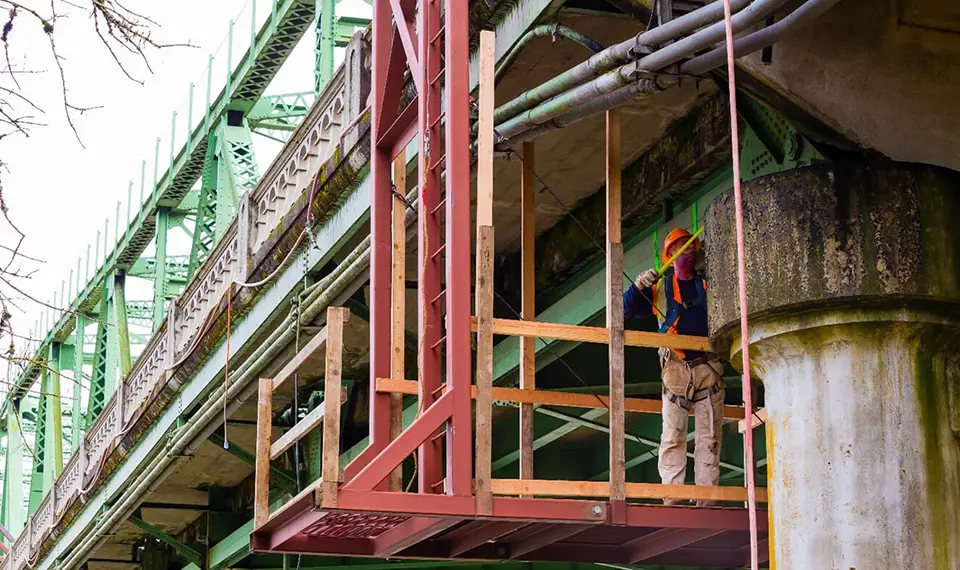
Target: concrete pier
(854, 303)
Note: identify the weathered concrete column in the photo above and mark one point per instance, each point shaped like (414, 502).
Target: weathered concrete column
(854, 298)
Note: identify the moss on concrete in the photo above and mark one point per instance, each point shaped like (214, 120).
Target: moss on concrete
(857, 231)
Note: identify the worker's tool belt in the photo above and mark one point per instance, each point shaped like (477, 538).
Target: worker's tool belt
(697, 395)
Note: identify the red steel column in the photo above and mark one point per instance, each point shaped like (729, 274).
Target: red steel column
(430, 251)
(459, 436)
(382, 116)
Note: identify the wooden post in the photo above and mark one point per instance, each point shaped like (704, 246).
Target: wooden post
(615, 320)
(484, 285)
(398, 305)
(261, 487)
(332, 387)
(527, 309)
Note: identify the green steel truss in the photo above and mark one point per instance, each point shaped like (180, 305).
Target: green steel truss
(91, 340)
(229, 171)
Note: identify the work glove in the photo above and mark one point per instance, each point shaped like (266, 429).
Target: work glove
(647, 279)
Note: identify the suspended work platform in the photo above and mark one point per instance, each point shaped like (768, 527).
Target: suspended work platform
(457, 510)
(354, 512)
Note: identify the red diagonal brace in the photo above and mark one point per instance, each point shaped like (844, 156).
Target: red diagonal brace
(399, 449)
(408, 37)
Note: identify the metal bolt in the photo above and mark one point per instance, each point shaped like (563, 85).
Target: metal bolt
(597, 511)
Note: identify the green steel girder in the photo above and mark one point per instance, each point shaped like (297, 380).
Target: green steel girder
(13, 515)
(286, 106)
(188, 552)
(326, 22)
(40, 446)
(273, 43)
(77, 427)
(771, 144)
(283, 478)
(175, 268)
(229, 171)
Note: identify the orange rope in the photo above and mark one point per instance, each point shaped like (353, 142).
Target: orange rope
(742, 285)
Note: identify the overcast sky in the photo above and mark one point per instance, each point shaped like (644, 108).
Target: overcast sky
(59, 192)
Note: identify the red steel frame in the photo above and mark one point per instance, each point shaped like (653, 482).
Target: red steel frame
(437, 55)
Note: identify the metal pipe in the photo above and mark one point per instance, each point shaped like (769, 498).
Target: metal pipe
(539, 31)
(686, 47)
(611, 57)
(810, 10)
(600, 94)
(625, 74)
(592, 106)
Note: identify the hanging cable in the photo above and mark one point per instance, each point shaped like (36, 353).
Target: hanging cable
(742, 287)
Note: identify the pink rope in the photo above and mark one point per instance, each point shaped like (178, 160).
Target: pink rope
(742, 279)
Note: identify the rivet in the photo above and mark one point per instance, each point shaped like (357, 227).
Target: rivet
(597, 511)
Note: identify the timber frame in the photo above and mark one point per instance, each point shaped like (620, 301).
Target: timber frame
(458, 511)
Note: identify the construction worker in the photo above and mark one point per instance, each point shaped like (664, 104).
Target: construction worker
(691, 379)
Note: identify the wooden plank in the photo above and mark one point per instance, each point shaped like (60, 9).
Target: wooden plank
(590, 489)
(484, 385)
(485, 131)
(598, 335)
(613, 176)
(528, 360)
(484, 278)
(298, 431)
(398, 304)
(759, 418)
(330, 466)
(615, 338)
(261, 481)
(554, 398)
(287, 372)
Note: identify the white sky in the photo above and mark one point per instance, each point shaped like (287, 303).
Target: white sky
(58, 192)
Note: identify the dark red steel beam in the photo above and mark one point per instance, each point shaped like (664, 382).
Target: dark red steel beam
(664, 540)
(387, 76)
(303, 543)
(407, 38)
(559, 510)
(400, 129)
(544, 538)
(430, 237)
(654, 516)
(457, 99)
(480, 532)
(410, 533)
(425, 504)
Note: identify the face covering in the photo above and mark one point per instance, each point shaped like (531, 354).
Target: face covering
(684, 265)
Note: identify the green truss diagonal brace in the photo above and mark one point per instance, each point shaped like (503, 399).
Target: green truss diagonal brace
(191, 554)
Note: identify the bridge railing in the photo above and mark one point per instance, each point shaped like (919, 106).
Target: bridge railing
(260, 212)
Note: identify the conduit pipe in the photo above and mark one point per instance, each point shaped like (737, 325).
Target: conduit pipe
(552, 30)
(188, 438)
(613, 56)
(626, 74)
(591, 98)
(810, 10)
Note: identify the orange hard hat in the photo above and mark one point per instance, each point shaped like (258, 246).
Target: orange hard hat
(677, 236)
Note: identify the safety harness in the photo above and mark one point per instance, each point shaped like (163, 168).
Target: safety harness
(668, 325)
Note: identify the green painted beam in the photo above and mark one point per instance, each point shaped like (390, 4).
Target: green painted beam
(191, 554)
(283, 478)
(13, 516)
(232, 549)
